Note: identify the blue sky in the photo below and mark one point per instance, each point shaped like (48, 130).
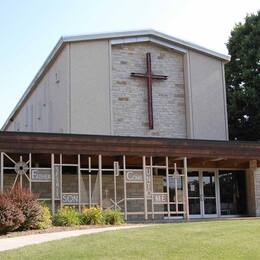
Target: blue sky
(29, 29)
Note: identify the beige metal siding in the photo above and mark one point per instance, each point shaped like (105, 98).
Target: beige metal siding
(47, 108)
(90, 94)
(208, 102)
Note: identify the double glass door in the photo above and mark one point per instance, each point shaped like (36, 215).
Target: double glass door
(202, 194)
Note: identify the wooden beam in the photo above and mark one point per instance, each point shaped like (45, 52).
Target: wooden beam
(52, 185)
(187, 215)
(17, 142)
(217, 159)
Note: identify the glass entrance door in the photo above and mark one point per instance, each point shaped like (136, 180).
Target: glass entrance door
(202, 194)
(194, 194)
(208, 194)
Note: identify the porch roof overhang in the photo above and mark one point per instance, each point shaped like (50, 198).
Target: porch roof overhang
(25, 142)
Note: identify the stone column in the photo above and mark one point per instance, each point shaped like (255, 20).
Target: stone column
(253, 189)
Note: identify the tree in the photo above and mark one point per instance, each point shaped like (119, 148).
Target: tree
(243, 80)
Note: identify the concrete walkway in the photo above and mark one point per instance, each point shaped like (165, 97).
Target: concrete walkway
(17, 242)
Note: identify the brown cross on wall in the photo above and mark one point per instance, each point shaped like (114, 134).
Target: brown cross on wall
(149, 76)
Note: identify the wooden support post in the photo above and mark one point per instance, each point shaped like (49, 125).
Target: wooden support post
(21, 176)
(30, 172)
(2, 173)
(100, 179)
(52, 185)
(176, 189)
(125, 198)
(151, 169)
(168, 186)
(60, 172)
(116, 171)
(79, 182)
(145, 193)
(185, 167)
(89, 181)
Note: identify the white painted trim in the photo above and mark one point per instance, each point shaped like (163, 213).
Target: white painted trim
(130, 40)
(52, 184)
(110, 87)
(30, 172)
(70, 90)
(79, 182)
(225, 99)
(148, 39)
(145, 34)
(218, 193)
(100, 179)
(145, 194)
(185, 168)
(125, 200)
(188, 96)
(168, 188)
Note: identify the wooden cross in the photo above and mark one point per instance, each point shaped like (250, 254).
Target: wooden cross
(149, 76)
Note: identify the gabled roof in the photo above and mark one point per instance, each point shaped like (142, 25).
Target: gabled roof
(117, 37)
(146, 33)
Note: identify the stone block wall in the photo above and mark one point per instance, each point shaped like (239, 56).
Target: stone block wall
(257, 191)
(251, 191)
(129, 95)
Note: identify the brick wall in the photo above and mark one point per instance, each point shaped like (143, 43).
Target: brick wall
(129, 95)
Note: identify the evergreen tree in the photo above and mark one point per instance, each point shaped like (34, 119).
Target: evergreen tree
(243, 80)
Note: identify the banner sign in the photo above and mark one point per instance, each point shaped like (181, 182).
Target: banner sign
(57, 182)
(135, 176)
(160, 198)
(41, 175)
(70, 198)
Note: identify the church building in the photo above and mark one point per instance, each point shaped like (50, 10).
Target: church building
(134, 121)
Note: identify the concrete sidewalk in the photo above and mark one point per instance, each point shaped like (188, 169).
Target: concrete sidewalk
(17, 242)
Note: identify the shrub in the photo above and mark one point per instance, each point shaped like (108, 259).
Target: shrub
(112, 217)
(91, 216)
(66, 216)
(11, 217)
(45, 220)
(28, 204)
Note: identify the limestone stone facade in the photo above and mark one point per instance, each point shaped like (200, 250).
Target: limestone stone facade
(129, 95)
(257, 191)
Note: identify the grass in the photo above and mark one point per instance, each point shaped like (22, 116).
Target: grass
(230, 239)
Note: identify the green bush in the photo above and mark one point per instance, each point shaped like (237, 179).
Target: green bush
(91, 216)
(45, 220)
(112, 217)
(66, 216)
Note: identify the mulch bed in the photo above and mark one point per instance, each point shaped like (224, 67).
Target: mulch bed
(53, 229)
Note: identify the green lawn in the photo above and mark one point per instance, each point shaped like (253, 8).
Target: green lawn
(236, 239)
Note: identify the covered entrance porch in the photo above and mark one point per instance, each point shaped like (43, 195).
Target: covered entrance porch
(217, 193)
(144, 178)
